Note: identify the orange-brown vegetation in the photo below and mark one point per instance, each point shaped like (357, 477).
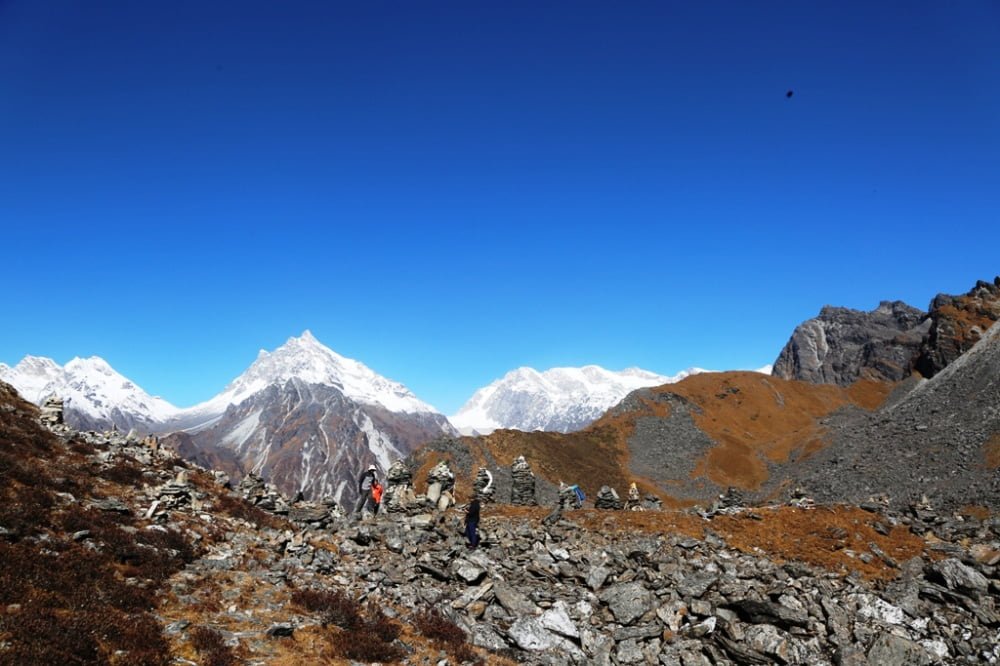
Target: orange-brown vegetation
(754, 419)
(447, 635)
(829, 537)
(237, 507)
(211, 647)
(61, 601)
(970, 313)
(991, 452)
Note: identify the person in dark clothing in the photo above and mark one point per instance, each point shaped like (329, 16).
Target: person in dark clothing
(472, 524)
(365, 489)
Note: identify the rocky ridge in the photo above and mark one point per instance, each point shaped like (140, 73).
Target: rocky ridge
(842, 345)
(849, 586)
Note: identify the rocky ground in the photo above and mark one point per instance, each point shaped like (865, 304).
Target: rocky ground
(936, 438)
(97, 527)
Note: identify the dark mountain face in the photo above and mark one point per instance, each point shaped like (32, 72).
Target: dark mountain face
(314, 439)
(842, 345)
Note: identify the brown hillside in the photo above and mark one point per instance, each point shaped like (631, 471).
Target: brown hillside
(753, 420)
(756, 419)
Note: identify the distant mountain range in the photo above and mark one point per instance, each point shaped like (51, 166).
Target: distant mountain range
(303, 416)
(308, 418)
(96, 396)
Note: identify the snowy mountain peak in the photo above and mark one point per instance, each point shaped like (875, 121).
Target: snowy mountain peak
(93, 364)
(307, 359)
(93, 391)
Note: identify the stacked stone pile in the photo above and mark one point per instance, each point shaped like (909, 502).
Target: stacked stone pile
(567, 498)
(52, 411)
(175, 494)
(652, 503)
(263, 495)
(316, 515)
(399, 495)
(440, 484)
(522, 490)
(608, 499)
(483, 487)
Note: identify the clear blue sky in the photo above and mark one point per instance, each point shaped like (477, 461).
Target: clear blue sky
(446, 191)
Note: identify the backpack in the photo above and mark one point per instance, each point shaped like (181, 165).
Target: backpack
(377, 492)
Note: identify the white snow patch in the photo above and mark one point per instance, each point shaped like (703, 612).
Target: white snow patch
(379, 443)
(243, 431)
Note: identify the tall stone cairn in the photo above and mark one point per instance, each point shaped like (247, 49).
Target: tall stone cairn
(52, 411)
(398, 490)
(442, 474)
(440, 481)
(607, 498)
(483, 487)
(522, 486)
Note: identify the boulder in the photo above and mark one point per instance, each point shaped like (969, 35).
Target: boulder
(628, 601)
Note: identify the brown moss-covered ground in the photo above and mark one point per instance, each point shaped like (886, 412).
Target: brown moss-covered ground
(755, 420)
(991, 452)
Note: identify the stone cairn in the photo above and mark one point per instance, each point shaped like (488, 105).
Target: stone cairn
(607, 498)
(261, 494)
(52, 411)
(317, 515)
(399, 493)
(440, 483)
(482, 486)
(567, 497)
(174, 495)
(633, 502)
(522, 483)
(652, 503)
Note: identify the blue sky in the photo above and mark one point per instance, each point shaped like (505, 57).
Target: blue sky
(447, 191)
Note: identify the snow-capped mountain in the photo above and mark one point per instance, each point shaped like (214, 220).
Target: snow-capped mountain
(95, 395)
(306, 359)
(302, 416)
(558, 399)
(308, 419)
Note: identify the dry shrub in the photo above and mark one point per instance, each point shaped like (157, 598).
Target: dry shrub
(125, 472)
(369, 637)
(437, 627)
(43, 635)
(991, 452)
(25, 510)
(332, 606)
(60, 601)
(365, 644)
(211, 647)
(446, 634)
(82, 447)
(237, 507)
(381, 625)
